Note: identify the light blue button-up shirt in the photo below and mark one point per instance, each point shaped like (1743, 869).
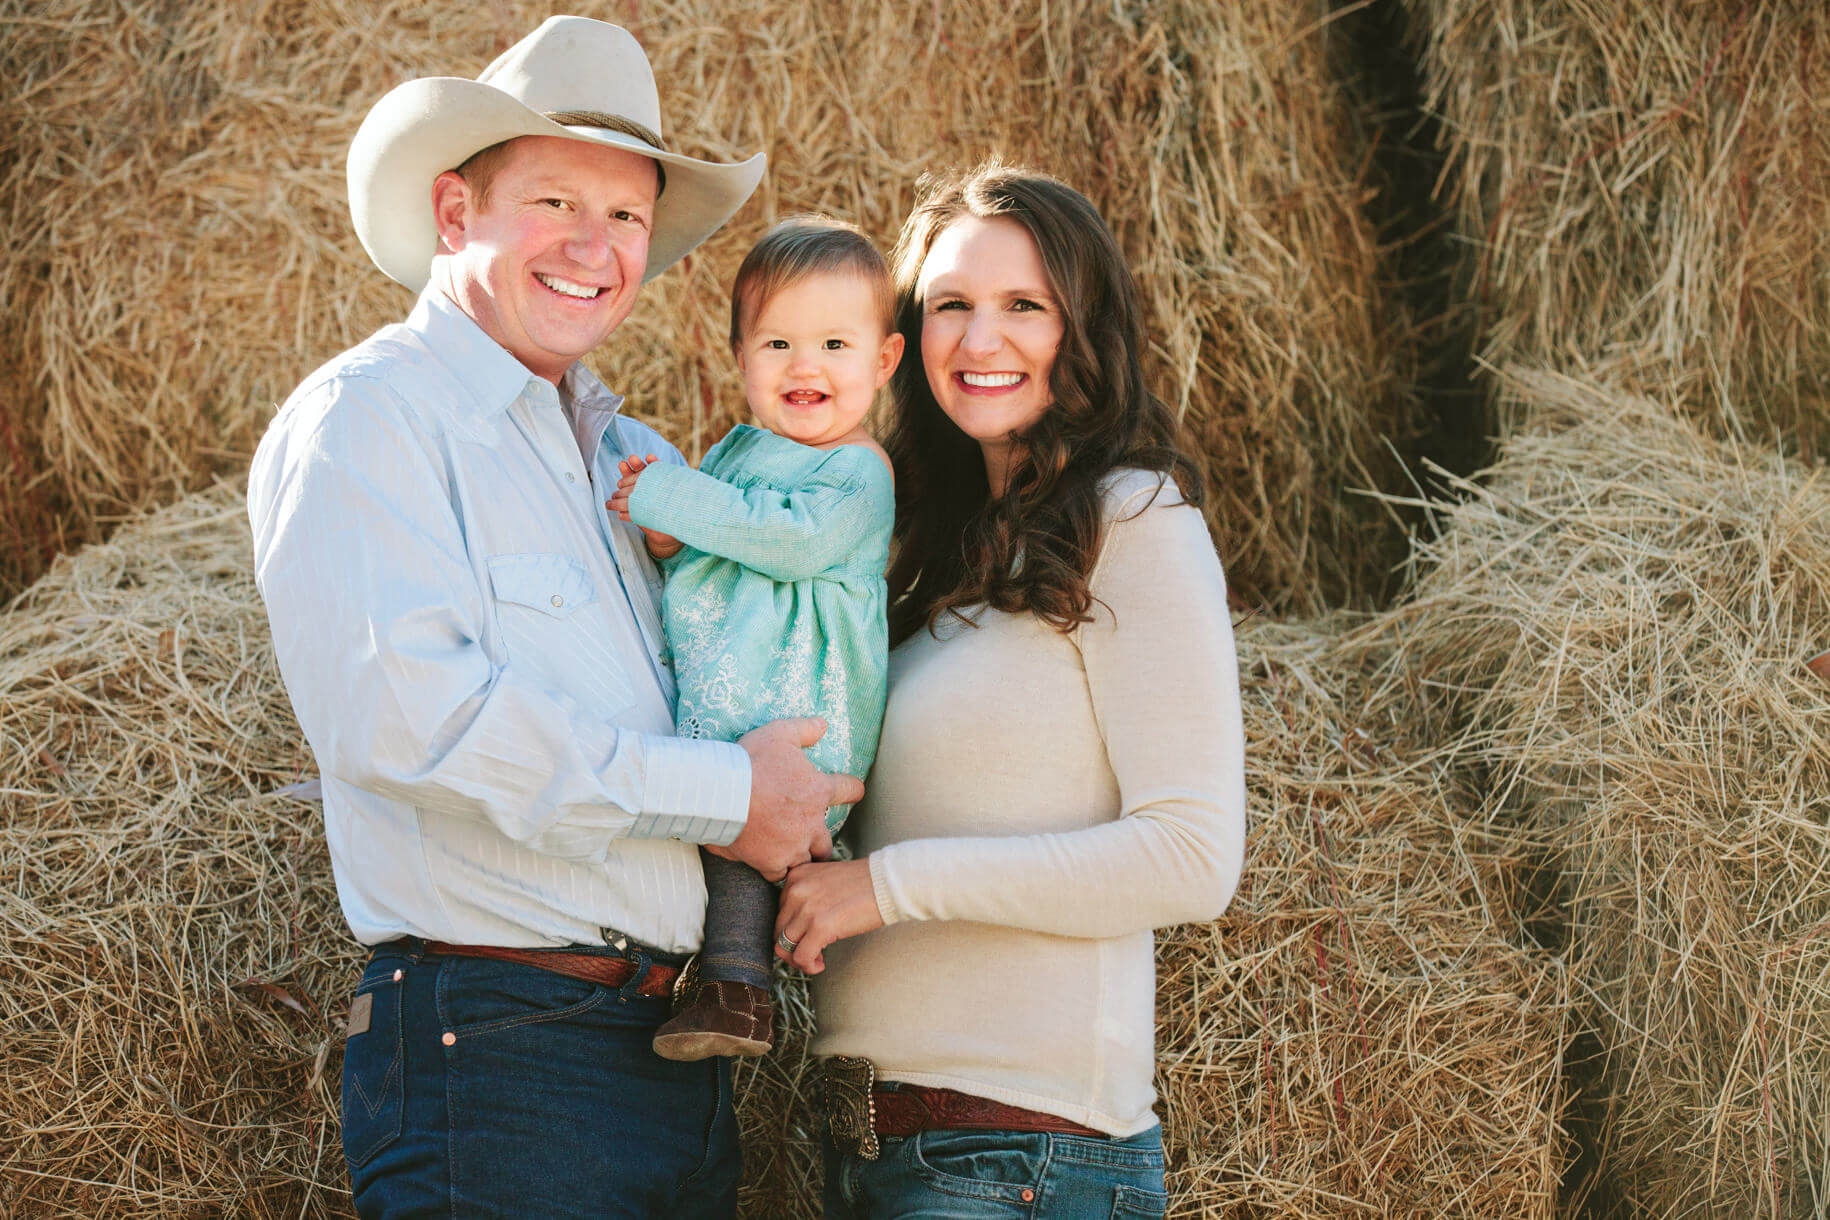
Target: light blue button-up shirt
(473, 648)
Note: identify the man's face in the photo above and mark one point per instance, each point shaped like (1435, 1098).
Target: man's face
(551, 262)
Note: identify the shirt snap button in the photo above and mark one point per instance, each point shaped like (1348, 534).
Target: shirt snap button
(570, 478)
(399, 974)
(558, 600)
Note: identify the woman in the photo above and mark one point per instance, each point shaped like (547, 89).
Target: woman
(1061, 768)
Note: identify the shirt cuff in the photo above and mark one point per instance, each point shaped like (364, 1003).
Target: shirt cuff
(880, 888)
(696, 791)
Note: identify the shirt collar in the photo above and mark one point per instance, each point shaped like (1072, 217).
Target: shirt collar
(492, 376)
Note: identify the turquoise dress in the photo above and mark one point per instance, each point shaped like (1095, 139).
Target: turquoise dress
(776, 606)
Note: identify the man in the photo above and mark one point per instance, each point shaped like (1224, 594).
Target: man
(471, 644)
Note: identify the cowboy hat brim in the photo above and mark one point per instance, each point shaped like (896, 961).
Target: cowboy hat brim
(424, 127)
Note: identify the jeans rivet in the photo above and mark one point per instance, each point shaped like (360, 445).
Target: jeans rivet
(450, 1039)
(1029, 1196)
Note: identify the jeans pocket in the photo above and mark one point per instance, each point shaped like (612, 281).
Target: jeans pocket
(480, 996)
(994, 1166)
(374, 1086)
(1136, 1201)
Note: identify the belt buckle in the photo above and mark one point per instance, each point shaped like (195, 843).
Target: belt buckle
(850, 1111)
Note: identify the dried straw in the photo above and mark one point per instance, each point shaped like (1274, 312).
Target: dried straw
(1645, 184)
(179, 254)
(1616, 626)
(1367, 1032)
(170, 953)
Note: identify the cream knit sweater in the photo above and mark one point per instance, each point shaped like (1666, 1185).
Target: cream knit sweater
(1041, 802)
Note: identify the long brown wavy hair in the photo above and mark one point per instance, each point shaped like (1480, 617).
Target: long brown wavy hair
(956, 544)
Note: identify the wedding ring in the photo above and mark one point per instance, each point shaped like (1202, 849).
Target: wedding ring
(786, 944)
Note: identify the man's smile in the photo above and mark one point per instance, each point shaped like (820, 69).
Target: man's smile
(569, 288)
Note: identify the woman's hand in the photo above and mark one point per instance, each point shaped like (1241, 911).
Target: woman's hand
(823, 902)
(661, 546)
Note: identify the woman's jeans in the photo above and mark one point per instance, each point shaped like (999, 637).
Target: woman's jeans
(959, 1175)
(478, 1088)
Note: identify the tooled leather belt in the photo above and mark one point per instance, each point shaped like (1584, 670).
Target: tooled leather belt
(907, 1109)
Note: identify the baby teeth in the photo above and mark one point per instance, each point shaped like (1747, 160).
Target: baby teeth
(991, 380)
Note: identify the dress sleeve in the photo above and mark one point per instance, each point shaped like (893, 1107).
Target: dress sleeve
(1164, 682)
(785, 535)
(378, 619)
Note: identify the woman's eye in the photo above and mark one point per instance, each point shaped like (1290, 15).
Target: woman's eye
(1024, 305)
(945, 305)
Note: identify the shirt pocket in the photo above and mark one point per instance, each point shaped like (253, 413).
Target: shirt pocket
(541, 599)
(554, 585)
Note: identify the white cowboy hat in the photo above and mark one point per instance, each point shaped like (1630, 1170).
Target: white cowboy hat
(570, 64)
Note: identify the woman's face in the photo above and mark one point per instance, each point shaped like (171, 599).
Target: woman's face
(990, 327)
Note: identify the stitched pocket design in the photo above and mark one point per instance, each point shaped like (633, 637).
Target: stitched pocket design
(374, 1087)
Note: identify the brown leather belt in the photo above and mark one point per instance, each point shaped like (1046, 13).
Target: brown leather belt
(910, 1108)
(601, 969)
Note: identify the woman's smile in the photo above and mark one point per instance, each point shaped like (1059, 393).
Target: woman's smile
(990, 327)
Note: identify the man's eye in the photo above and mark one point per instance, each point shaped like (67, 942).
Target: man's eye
(553, 203)
(628, 217)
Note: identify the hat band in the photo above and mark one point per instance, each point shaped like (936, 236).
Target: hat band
(618, 124)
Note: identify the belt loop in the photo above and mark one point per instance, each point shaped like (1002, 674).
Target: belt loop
(637, 954)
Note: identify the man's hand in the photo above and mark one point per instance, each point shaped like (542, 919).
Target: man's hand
(822, 903)
(788, 799)
(661, 546)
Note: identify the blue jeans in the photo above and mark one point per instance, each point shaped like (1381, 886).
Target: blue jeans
(484, 1088)
(961, 1175)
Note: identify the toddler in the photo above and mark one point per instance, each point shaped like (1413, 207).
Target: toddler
(774, 552)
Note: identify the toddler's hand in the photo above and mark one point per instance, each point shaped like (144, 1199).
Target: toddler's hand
(661, 546)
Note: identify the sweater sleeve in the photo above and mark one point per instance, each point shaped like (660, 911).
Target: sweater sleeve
(785, 535)
(1164, 683)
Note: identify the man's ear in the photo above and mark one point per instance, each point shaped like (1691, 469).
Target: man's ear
(889, 357)
(451, 206)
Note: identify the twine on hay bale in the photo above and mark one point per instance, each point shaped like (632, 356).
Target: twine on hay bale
(1643, 184)
(1360, 1033)
(179, 253)
(1615, 624)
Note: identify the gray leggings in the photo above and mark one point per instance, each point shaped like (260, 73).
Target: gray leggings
(739, 922)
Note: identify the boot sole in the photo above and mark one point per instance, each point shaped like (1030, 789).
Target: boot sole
(688, 1047)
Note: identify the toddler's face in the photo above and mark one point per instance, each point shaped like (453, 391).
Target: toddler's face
(814, 356)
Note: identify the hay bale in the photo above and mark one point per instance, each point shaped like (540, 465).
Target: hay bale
(171, 958)
(1616, 625)
(171, 182)
(1643, 184)
(1368, 1030)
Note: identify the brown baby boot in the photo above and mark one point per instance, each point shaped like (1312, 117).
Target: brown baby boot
(719, 1017)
